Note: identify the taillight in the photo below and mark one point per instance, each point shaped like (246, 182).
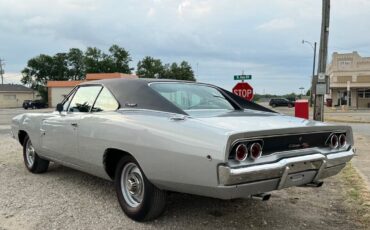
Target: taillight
(241, 152)
(255, 150)
(333, 142)
(342, 140)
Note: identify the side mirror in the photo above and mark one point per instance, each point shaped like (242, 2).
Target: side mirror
(59, 107)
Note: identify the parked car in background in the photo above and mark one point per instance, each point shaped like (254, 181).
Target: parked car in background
(275, 102)
(34, 104)
(150, 136)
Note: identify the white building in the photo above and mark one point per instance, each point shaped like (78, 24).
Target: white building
(12, 95)
(349, 75)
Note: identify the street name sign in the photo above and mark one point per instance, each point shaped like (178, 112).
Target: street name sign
(242, 77)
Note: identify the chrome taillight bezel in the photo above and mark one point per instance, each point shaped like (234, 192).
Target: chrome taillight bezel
(253, 145)
(246, 152)
(342, 137)
(333, 141)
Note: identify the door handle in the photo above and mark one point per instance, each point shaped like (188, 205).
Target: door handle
(74, 124)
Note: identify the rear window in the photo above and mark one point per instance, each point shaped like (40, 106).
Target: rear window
(189, 96)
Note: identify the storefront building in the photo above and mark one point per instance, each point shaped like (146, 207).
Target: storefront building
(349, 75)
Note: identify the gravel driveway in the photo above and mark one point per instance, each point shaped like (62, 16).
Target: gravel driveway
(64, 198)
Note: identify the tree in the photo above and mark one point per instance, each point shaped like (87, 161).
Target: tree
(149, 67)
(92, 60)
(76, 65)
(179, 72)
(60, 69)
(73, 66)
(119, 59)
(39, 70)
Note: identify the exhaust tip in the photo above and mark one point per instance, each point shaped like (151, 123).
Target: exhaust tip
(315, 184)
(261, 196)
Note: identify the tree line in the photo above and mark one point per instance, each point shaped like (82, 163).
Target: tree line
(75, 64)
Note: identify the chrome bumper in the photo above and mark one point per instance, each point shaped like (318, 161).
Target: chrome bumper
(291, 171)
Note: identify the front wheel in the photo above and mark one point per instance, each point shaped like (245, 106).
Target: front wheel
(139, 199)
(33, 162)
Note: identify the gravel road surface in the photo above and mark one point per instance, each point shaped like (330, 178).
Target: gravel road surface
(64, 198)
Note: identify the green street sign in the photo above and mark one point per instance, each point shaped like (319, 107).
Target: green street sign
(242, 77)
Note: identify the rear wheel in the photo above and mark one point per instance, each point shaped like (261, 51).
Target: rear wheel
(139, 199)
(33, 162)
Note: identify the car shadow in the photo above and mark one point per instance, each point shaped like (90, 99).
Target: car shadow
(291, 208)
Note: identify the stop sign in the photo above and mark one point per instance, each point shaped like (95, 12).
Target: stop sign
(244, 90)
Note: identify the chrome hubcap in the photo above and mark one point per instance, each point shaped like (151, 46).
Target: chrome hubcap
(30, 154)
(132, 185)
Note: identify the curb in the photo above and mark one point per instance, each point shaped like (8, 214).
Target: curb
(347, 121)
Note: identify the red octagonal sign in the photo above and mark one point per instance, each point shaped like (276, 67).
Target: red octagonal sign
(243, 90)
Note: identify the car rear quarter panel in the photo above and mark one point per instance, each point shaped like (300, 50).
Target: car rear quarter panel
(171, 153)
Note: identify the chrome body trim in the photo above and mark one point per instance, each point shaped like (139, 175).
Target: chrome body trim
(280, 135)
(315, 162)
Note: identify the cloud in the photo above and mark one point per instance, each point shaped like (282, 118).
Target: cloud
(277, 24)
(12, 78)
(196, 8)
(224, 37)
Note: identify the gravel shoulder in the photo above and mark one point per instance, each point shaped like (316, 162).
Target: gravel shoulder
(64, 198)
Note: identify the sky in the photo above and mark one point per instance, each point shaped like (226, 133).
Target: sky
(219, 38)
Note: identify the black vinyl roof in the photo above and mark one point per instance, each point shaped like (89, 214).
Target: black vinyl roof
(136, 93)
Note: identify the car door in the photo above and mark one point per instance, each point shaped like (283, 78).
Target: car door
(60, 133)
(91, 126)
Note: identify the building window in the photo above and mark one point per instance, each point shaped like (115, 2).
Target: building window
(364, 93)
(10, 97)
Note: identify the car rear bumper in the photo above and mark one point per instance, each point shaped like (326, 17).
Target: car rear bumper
(293, 171)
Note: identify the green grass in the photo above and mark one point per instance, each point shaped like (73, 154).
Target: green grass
(357, 194)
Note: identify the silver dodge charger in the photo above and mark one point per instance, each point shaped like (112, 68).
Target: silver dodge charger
(153, 136)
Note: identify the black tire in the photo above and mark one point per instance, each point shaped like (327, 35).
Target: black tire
(38, 165)
(153, 199)
(273, 105)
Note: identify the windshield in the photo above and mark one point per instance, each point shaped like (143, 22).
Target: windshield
(188, 96)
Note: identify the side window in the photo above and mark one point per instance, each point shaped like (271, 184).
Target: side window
(105, 102)
(84, 99)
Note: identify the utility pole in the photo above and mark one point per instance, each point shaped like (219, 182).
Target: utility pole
(321, 81)
(1, 71)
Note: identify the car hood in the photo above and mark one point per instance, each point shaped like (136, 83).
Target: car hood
(250, 120)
